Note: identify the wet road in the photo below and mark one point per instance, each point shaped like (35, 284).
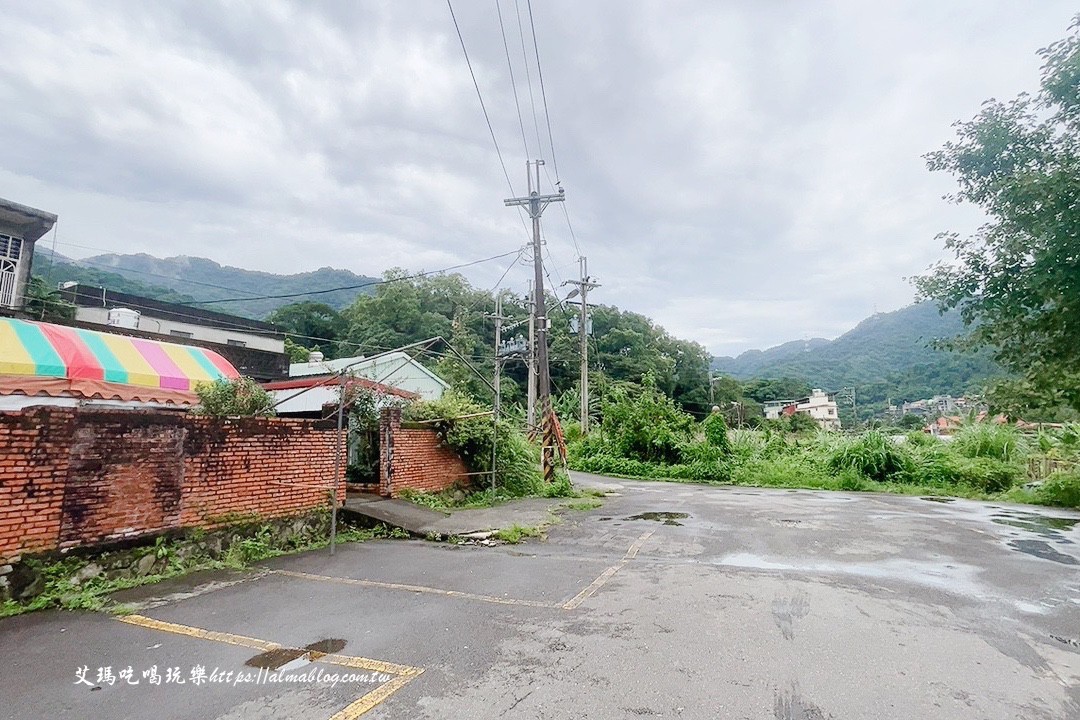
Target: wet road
(670, 600)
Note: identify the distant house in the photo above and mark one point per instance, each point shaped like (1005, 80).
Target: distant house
(396, 369)
(255, 348)
(20, 229)
(819, 405)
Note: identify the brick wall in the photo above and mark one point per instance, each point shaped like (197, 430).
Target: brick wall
(415, 459)
(82, 476)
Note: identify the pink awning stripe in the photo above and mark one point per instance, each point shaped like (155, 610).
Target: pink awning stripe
(171, 376)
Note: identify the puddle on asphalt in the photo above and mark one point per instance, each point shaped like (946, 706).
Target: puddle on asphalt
(668, 518)
(939, 499)
(273, 659)
(280, 657)
(1049, 527)
(1042, 549)
(325, 647)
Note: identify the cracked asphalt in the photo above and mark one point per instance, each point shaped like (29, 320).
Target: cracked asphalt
(670, 600)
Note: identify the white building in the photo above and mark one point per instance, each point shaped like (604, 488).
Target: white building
(821, 406)
(396, 369)
(254, 347)
(100, 306)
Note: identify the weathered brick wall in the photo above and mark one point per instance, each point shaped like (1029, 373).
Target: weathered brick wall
(82, 476)
(33, 466)
(415, 459)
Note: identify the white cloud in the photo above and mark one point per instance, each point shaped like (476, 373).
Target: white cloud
(745, 174)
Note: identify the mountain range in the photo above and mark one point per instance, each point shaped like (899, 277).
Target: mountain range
(195, 279)
(887, 356)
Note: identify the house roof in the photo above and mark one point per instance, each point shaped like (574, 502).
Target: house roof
(361, 364)
(32, 223)
(42, 358)
(95, 296)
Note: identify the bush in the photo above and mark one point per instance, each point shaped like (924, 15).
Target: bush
(645, 425)
(716, 432)
(918, 438)
(241, 396)
(939, 466)
(873, 456)
(1060, 488)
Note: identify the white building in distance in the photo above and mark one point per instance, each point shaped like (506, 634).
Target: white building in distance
(821, 406)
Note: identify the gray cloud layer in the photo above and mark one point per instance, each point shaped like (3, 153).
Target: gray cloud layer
(745, 173)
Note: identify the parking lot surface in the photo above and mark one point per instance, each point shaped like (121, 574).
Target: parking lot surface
(669, 600)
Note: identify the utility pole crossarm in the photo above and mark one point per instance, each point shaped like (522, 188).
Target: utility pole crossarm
(535, 203)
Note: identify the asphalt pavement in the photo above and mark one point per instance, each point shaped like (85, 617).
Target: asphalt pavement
(669, 600)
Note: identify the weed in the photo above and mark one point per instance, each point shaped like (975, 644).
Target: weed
(516, 533)
(585, 505)
(63, 590)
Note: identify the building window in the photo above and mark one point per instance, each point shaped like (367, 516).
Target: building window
(236, 343)
(10, 250)
(10, 247)
(181, 334)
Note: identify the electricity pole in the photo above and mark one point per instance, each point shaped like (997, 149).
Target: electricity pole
(584, 285)
(536, 203)
(530, 361)
(497, 404)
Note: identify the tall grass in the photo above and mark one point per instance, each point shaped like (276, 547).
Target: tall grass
(986, 440)
(873, 456)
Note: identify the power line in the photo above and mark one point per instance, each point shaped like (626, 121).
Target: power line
(543, 94)
(513, 83)
(479, 96)
(361, 285)
(119, 269)
(528, 75)
(249, 328)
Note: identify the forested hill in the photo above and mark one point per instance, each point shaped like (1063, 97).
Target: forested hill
(184, 278)
(887, 355)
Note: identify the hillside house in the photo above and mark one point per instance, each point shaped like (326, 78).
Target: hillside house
(20, 228)
(819, 405)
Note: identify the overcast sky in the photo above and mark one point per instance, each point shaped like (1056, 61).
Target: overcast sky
(745, 173)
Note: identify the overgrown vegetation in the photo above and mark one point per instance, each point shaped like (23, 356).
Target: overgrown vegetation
(466, 427)
(238, 397)
(642, 436)
(67, 585)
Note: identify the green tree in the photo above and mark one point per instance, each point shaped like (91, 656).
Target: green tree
(645, 424)
(765, 389)
(1016, 281)
(297, 353)
(45, 304)
(310, 323)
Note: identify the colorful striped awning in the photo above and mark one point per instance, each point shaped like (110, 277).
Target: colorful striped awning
(43, 350)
